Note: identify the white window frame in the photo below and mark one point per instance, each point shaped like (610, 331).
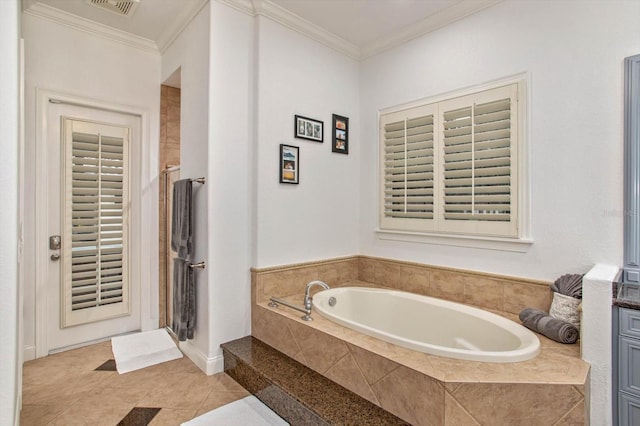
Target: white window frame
(518, 239)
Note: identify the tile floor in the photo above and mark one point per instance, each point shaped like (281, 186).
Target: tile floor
(80, 387)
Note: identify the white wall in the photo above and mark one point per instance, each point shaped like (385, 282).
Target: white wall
(596, 329)
(216, 136)
(230, 162)
(573, 52)
(251, 219)
(190, 52)
(10, 356)
(317, 218)
(65, 60)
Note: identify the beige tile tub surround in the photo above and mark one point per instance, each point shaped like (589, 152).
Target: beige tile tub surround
(420, 388)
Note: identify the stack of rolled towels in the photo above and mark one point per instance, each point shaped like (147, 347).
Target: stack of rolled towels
(562, 323)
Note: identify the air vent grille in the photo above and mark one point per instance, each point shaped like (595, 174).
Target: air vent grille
(120, 7)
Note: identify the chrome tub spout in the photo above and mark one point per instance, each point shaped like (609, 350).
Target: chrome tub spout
(308, 299)
(306, 310)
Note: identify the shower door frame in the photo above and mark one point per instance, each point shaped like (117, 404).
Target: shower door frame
(167, 182)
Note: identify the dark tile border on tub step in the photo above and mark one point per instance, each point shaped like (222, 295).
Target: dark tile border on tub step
(296, 393)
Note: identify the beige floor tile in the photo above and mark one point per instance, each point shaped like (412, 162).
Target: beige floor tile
(222, 382)
(172, 417)
(64, 389)
(37, 415)
(65, 392)
(140, 379)
(103, 415)
(218, 399)
(183, 390)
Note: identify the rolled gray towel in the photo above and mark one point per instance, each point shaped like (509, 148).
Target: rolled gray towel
(553, 328)
(569, 285)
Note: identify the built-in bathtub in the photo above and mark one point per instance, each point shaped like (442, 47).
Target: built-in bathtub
(419, 387)
(427, 324)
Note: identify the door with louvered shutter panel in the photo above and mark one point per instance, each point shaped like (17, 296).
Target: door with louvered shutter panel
(93, 291)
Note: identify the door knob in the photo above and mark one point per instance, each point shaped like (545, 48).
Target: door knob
(55, 256)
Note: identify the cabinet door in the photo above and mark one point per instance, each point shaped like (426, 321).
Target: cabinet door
(630, 322)
(629, 353)
(629, 368)
(628, 410)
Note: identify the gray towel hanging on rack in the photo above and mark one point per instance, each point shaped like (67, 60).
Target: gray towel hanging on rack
(182, 218)
(184, 300)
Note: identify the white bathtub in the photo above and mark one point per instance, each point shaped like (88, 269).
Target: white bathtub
(429, 325)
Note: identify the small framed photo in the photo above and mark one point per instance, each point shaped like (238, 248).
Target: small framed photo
(308, 128)
(289, 164)
(340, 137)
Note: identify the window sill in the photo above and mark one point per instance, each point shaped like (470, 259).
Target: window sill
(520, 245)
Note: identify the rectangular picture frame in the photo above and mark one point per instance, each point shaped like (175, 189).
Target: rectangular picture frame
(340, 130)
(308, 128)
(289, 164)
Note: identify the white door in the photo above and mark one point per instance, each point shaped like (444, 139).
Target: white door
(90, 173)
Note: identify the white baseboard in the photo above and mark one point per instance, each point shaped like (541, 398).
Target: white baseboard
(210, 365)
(29, 353)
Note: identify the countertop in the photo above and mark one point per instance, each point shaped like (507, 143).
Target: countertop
(625, 302)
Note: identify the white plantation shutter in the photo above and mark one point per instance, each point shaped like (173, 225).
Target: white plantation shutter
(473, 153)
(479, 162)
(95, 232)
(408, 167)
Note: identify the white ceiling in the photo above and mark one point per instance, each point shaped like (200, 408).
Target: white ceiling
(364, 26)
(157, 21)
(361, 22)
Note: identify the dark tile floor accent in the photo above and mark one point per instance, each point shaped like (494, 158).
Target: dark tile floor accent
(139, 416)
(294, 391)
(109, 365)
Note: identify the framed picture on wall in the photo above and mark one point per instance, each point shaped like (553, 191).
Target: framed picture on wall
(289, 164)
(340, 136)
(308, 128)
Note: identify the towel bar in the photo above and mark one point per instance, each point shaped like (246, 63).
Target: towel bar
(197, 265)
(199, 180)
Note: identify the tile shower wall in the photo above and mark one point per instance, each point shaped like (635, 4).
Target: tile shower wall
(412, 395)
(169, 156)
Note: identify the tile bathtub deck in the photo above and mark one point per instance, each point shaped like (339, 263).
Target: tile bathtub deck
(79, 387)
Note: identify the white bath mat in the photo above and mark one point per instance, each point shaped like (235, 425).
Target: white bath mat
(140, 350)
(246, 411)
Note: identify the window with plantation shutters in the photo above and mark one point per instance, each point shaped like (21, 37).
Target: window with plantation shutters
(451, 167)
(94, 255)
(408, 168)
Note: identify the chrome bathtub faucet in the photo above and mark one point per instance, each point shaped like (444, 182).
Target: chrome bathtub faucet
(308, 298)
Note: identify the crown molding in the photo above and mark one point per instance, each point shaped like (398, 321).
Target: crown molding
(296, 23)
(244, 6)
(88, 26)
(292, 21)
(432, 23)
(271, 11)
(178, 25)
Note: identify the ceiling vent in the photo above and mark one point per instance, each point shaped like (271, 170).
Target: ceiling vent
(119, 7)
